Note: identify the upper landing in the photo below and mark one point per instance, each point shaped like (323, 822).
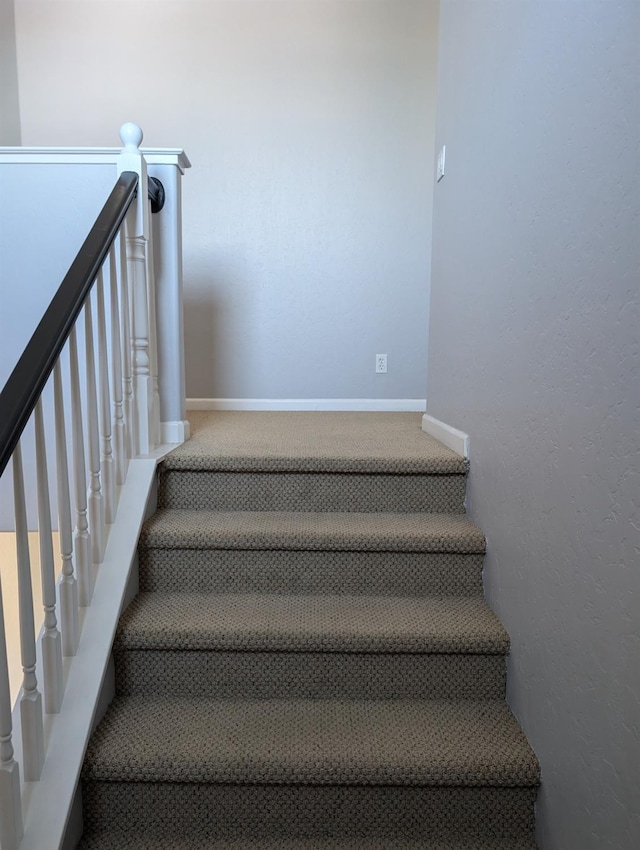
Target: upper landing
(313, 442)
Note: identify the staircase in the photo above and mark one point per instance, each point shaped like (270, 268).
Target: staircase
(310, 663)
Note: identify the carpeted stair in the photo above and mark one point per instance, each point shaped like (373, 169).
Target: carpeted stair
(310, 664)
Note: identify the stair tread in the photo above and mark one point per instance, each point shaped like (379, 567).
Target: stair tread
(317, 622)
(312, 442)
(410, 532)
(120, 841)
(318, 742)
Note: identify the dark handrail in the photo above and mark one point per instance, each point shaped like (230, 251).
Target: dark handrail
(28, 379)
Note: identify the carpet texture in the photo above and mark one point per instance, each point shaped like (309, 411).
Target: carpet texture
(342, 531)
(105, 841)
(307, 571)
(322, 622)
(310, 663)
(309, 675)
(311, 491)
(192, 812)
(313, 442)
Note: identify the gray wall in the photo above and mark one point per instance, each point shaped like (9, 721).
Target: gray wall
(36, 251)
(9, 103)
(307, 215)
(534, 351)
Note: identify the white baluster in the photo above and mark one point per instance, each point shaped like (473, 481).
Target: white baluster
(95, 501)
(142, 381)
(153, 339)
(119, 435)
(30, 699)
(127, 380)
(68, 584)
(51, 641)
(82, 534)
(11, 829)
(107, 463)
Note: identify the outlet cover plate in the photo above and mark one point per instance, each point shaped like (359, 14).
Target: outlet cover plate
(381, 363)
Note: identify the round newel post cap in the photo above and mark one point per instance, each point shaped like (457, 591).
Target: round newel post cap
(131, 136)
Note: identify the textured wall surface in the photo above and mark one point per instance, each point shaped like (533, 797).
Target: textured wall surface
(36, 250)
(307, 215)
(534, 351)
(36, 246)
(9, 101)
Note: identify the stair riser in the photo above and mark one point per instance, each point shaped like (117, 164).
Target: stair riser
(128, 841)
(284, 571)
(309, 675)
(257, 491)
(228, 811)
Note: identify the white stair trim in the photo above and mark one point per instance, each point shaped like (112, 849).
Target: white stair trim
(175, 432)
(416, 405)
(48, 802)
(453, 439)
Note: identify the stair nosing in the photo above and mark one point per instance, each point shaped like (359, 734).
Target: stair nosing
(347, 746)
(450, 465)
(303, 623)
(173, 528)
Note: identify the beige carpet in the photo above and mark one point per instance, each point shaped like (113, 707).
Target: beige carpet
(313, 442)
(310, 663)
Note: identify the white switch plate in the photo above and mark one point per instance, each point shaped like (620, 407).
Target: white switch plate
(440, 166)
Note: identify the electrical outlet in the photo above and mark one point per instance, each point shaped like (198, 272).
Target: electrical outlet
(381, 362)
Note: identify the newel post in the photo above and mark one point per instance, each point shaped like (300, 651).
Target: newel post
(143, 323)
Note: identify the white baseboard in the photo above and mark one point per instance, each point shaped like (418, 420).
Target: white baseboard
(417, 405)
(175, 432)
(455, 440)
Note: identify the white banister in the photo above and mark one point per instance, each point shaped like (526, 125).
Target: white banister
(51, 641)
(95, 500)
(82, 534)
(124, 389)
(10, 804)
(119, 436)
(107, 464)
(30, 697)
(68, 583)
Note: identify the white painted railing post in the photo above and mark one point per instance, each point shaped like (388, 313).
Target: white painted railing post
(10, 806)
(30, 697)
(51, 640)
(95, 500)
(137, 241)
(82, 534)
(107, 463)
(68, 583)
(127, 380)
(119, 430)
